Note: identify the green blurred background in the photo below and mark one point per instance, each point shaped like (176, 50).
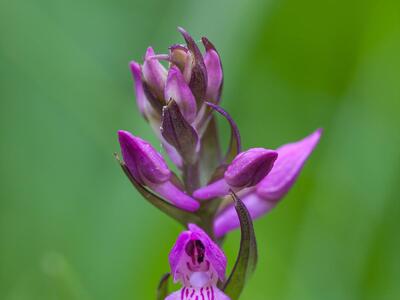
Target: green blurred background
(71, 225)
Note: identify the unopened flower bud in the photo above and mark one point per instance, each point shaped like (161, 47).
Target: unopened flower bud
(249, 167)
(214, 72)
(246, 170)
(270, 190)
(154, 75)
(145, 163)
(177, 89)
(149, 168)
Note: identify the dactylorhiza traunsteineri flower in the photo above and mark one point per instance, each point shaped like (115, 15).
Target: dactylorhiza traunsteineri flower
(179, 93)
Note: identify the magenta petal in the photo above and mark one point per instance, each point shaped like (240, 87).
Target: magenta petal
(212, 253)
(144, 162)
(175, 195)
(216, 189)
(228, 219)
(154, 73)
(177, 252)
(249, 167)
(139, 92)
(291, 158)
(178, 90)
(215, 75)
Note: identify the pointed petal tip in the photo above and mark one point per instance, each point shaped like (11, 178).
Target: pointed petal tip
(207, 44)
(123, 135)
(250, 167)
(288, 166)
(149, 52)
(173, 71)
(181, 30)
(134, 65)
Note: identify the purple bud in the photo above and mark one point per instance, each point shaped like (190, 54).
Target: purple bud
(177, 89)
(259, 201)
(141, 99)
(249, 167)
(154, 74)
(214, 72)
(291, 159)
(149, 168)
(144, 162)
(246, 170)
(198, 79)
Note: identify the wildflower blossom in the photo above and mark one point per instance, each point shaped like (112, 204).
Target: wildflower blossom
(198, 264)
(270, 190)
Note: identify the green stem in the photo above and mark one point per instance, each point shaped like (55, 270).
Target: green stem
(191, 177)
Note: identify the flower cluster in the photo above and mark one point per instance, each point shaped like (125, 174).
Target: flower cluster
(178, 94)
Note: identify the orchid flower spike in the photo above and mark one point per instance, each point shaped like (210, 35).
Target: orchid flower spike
(274, 186)
(191, 79)
(246, 170)
(198, 264)
(149, 168)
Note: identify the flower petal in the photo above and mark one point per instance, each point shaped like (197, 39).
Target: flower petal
(154, 74)
(214, 72)
(177, 89)
(249, 167)
(144, 162)
(198, 80)
(141, 99)
(213, 253)
(175, 195)
(216, 189)
(228, 219)
(291, 159)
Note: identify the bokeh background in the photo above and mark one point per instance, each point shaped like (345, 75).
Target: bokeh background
(71, 225)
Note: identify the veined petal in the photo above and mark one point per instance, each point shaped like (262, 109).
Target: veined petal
(207, 293)
(175, 195)
(144, 162)
(177, 89)
(154, 73)
(213, 252)
(291, 159)
(194, 252)
(228, 220)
